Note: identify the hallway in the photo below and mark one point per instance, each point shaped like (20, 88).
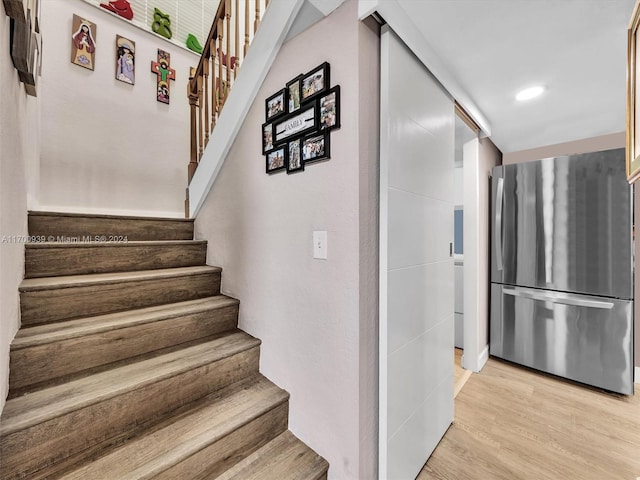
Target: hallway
(513, 423)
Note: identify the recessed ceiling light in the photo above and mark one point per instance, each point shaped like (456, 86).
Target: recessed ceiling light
(529, 93)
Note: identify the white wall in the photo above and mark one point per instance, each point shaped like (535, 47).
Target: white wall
(108, 146)
(314, 316)
(19, 142)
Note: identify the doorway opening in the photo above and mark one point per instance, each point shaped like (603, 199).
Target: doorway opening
(464, 133)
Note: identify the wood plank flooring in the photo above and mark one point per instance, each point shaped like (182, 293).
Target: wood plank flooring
(460, 375)
(513, 423)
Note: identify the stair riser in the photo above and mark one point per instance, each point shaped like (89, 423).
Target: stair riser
(43, 363)
(78, 260)
(50, 305)
(31, 449)
(62, 227)
(213, 460)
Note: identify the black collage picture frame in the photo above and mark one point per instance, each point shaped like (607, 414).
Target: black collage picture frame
(298, 121)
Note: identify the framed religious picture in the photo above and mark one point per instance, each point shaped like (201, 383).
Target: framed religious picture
(315, 82)
(633, 106)
(125, 60)
(276, 159)
(293, 94)
(315, 147)
(294, 156)
(83, 42)
(275, 105)
(330, 109)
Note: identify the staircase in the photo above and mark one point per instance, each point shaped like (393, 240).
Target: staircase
(129, 363)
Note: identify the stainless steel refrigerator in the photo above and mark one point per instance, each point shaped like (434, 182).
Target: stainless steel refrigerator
(562, 268)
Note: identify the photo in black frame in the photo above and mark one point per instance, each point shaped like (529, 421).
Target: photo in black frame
(277, 159)
(267, 137)
(315, 82)
(276, 104)
(294, 156)
(329, 109)
(294, 94)
(316, 146)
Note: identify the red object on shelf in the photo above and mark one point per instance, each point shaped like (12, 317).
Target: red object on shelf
(119, 7)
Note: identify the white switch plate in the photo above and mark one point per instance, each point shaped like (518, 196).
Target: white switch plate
(320, 244)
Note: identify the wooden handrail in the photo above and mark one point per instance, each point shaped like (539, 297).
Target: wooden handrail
(210, 82)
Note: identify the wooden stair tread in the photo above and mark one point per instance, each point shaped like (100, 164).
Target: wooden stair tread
(283, 458)
(54, 332)
(133, 243)
(188, 433)
(23, 412)
(47, 283)
(111, 217)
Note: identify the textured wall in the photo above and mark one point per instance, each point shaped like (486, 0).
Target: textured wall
(19, 142)
(315, 317)
(108, 146)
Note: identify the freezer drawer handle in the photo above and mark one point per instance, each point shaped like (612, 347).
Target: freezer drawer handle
(498, 223)
(564, 298)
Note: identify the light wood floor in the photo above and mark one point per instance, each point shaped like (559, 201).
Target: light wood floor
(515, 424)
(460, 375)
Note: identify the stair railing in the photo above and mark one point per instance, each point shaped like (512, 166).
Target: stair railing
(211, 81)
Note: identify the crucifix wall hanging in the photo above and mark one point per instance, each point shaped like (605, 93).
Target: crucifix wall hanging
(165, 73)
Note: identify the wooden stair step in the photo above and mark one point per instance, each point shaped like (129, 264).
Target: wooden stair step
(54, 259)
(43, 428)
(66, 226)
(50, 351)
(50, 299)
(283, 458)
(205, 440)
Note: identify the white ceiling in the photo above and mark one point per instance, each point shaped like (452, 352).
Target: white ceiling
(494, 48)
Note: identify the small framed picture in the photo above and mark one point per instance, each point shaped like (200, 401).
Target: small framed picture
(267, 137)
(294, 157)
(276, 160)
(276, 104)
(293, 94)
(315, 82)
(330, 109)
(315, 147)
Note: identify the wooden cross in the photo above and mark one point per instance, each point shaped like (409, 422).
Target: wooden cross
(165, 73)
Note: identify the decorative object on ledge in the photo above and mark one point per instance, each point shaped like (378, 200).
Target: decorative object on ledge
(301, 130)
(83, 44)
(165, 73)
(125, 60)
(119, 7)
(193, 44)
(223, 58)
(15, 9)
(161, 24)
(633, 106)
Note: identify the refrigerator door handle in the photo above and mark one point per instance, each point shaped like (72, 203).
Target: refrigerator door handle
(557, 297)
(497, 234)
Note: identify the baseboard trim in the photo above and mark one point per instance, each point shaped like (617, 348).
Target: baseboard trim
(483, 358)
(637, 375)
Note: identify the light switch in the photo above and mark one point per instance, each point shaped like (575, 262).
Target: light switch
(320, 244)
